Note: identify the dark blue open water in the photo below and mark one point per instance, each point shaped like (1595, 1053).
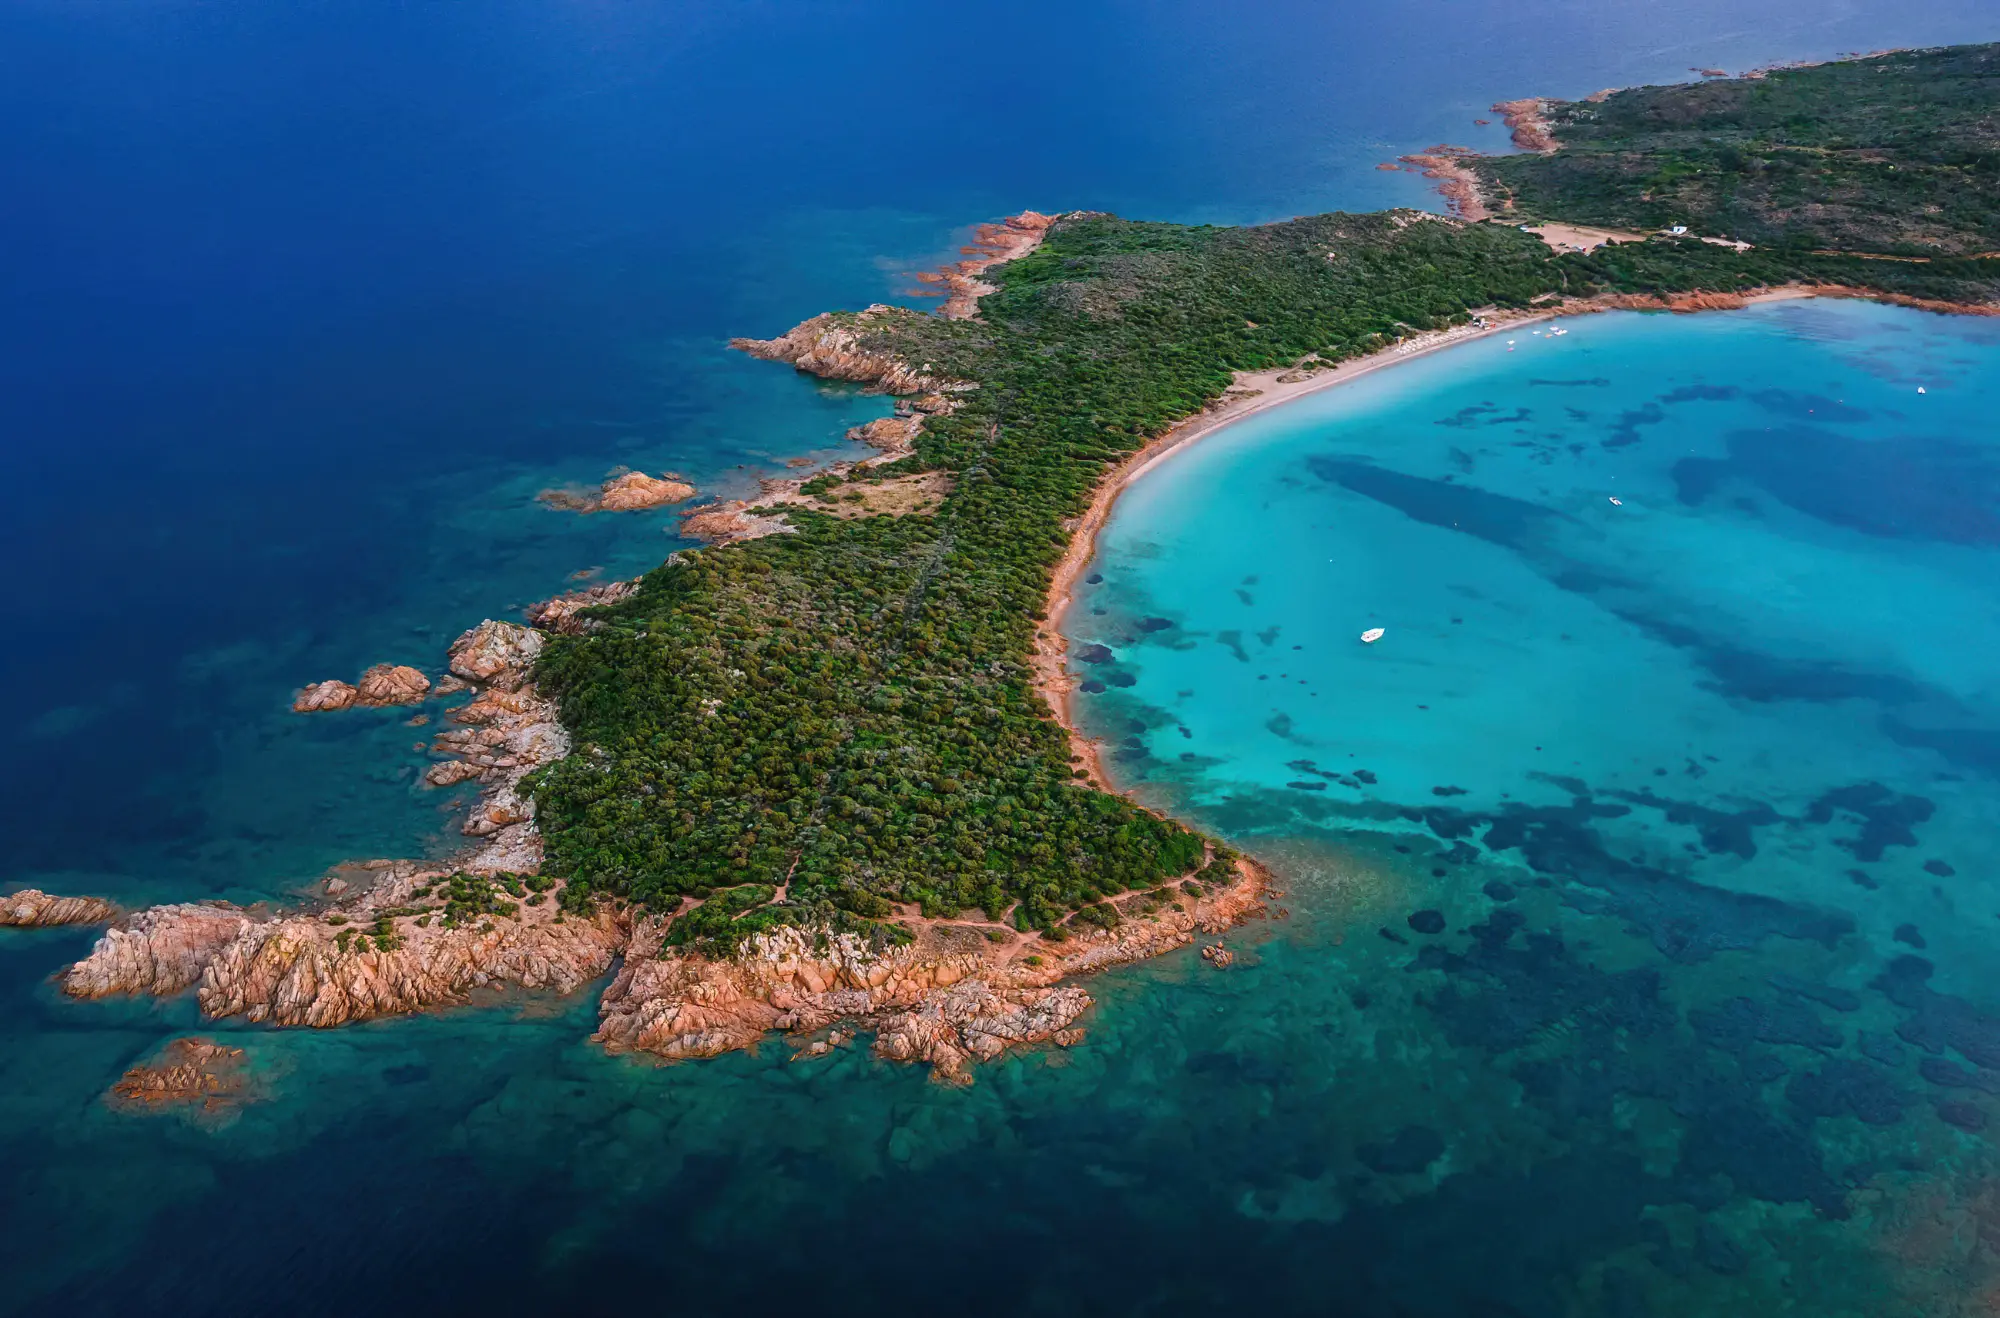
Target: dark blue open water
(302, 304)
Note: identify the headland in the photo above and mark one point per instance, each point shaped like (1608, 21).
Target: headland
(824, 781)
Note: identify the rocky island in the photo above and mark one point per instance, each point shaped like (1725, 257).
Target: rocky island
(815, 777)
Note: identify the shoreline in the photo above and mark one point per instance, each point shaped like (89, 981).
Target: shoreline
(1052, 677)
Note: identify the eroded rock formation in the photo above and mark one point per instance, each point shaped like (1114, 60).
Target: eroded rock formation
(992, 244)
(384, 684)
(560, 614)
(625, 492)
(31, 908)
(187, 1072)
(391, 684)
(324, 697)
(160, 950)
(1456, 183)
(498, 654)
(952, 996)
(831, 347)
(1527, 120)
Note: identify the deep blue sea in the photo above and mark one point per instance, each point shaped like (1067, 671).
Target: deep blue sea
(302, 304)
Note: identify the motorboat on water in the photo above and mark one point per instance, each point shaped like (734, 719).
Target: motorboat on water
(1616, 501)
(1372, 635)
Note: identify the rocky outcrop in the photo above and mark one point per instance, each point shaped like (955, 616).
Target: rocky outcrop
(384, 684)
(187, 1072)
(831, 346)
(892, 434)
(315, 969)
(1684, 302)
(972, 1021)
(32, 908)
(992, 244)
(323, 697)
(625, 492)
(160, 950)
(951, 996)
(729, 522)
(497, 654)
(391, 684)
(1456, 183)
(1527, 120)
(560, 614)
(297, 971)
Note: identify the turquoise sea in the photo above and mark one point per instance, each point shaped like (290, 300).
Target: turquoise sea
(1649, 855)
(307, 302)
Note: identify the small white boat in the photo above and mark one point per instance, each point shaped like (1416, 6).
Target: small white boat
(1617, 502)
(1372, 635)
(1920, 388)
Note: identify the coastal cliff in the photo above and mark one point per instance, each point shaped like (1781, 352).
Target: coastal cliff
(833, 346)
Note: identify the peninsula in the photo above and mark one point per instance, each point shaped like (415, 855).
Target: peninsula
(817, 778)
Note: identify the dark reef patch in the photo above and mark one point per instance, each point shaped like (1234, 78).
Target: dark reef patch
(1496, 518)
(1937, 1022)
(1798, 406)
(1887, 818)
(1845, 1087)
(1626, 430)
(1734, 1025)
(1408, 1151)
(1730, 832)
(1700, 393)
(1685, 919)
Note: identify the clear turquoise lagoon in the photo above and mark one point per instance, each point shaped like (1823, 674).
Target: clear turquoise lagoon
(1660, 829)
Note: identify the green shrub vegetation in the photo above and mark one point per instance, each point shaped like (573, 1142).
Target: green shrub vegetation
(846, 713)
(1895, 154)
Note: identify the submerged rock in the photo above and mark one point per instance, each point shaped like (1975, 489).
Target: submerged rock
(187, 1072)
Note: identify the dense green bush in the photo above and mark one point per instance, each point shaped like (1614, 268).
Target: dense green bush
(1895, 154)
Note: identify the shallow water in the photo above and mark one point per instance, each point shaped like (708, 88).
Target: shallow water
(320, 296)
(1681, 808)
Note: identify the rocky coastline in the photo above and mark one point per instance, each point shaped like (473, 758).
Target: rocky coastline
(992, 244)
(1445, 166)
(384, 938)
(959, 992)
(1527, 121)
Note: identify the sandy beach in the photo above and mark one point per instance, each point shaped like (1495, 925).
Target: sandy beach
(1259, 391)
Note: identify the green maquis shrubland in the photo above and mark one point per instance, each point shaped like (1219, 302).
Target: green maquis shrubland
(807, 727)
